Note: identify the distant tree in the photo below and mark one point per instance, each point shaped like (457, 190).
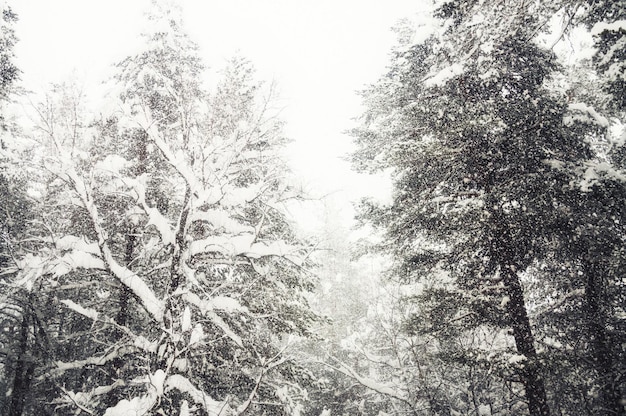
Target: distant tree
(9, 72)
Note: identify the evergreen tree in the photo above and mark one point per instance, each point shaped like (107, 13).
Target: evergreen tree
(605, 18)
(484, 175)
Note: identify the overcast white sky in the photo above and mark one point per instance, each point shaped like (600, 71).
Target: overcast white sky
(320, 52)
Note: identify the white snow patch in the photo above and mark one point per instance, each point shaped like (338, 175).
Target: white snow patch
(586, 113)
(221, 219)
(275, 248)
(141, 405)
(157, 380)
(241, 196)
(77, 260)
(161, 223)
(197, 335)
(182, 384)
(517, 358)
(113, 164)
(186, 319)
(595, 171)
(227, 245)
(477, 19)
(184, 409)
(88, 312)
(227, 304)
(71, 242)
(487, 48)
(444, 75)
(137, 406)
(484, 410)
(142, 343)
(208, 307)
(224, 303)
(617, 134)
(613, 27)
(219, 322)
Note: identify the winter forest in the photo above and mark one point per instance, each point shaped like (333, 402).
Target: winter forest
(150, 263)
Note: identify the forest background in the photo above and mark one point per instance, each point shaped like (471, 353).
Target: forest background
(158, 257)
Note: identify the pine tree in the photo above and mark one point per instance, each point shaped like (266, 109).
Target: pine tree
(589, 289)
(477, 141)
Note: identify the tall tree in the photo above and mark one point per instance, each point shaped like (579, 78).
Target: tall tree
(477, 144)
(595, 249)
(18, 318)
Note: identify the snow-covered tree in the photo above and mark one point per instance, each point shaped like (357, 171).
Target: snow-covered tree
(168, 250)
(487, 159)
(606, 21)
(593, 255)
(18, 321)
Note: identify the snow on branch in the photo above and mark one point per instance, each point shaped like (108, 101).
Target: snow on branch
(141, 405)
(208, 307)
(61, 367)
(585, 113)
(220, 303)
(112, 164)
(235, 196)
(227, 245)
(178, 163)
(596, 171)
(613, 27)
(160, 222)
(30, 268)
(182, 384)
(244, 244)
(82, 399)
(220, 219)
(71, 242)
(374, 385)
(151, 303)
(88, 312)
(441, 77)
(219, 322)
(78, 400)
(245, 405)
(77, 260)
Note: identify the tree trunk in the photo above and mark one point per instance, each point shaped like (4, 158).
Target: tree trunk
(524, 342)
(507, 255)
(24, 369)
(123, 315)
(606, 370)
(124, 296)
